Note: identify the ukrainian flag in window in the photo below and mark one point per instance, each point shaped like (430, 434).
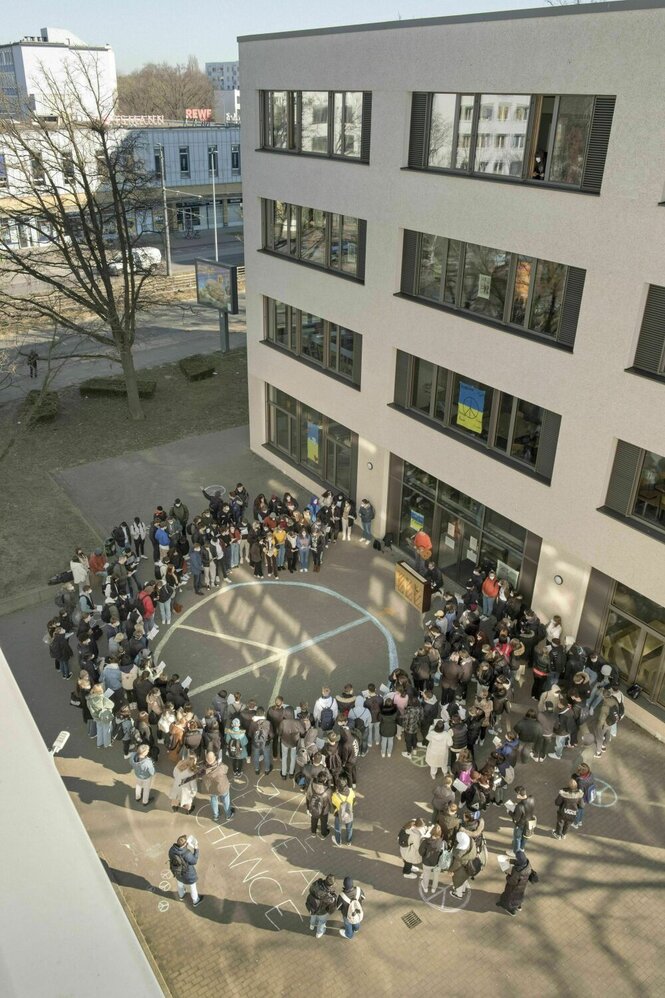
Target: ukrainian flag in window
(470, 407)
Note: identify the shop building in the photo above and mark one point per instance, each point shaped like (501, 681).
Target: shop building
(455, 264)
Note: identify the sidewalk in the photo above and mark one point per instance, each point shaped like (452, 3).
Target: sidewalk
(588, 927)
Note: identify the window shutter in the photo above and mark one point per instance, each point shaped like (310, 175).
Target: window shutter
(409, 252)
(622, 479)
(571, 306)
(402, 379)
(366, 127)
(420, 104)
(649, 355)
(362, 245)
(549, 434)
(603, 112)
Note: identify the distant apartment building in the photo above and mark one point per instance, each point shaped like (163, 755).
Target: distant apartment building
(56, 54)
(224, 75)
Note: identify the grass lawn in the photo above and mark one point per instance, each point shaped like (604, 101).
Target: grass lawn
(39, 527)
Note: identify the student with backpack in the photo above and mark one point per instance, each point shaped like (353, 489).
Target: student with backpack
(321, 902)
(342, 802)
(236, 748)
(261, 733)
(318, 797)
(183, 857)
(360, 721)
(610, 713)
(325, 711)
(350, 903)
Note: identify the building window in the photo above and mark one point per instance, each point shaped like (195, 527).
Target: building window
(538, 296)
(317, 122)
(183, 154)
(321, 446)
(634, 640)
(213, 162)
(37, 169)
(235, 159)
(158, 166)
(331, 347)
(464, 533)
(68, 173)
(320, 238)
(3, 170)
(636, 490)
(524, 433)
(555, 140)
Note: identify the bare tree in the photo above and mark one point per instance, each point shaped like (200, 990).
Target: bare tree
(158, 88)
(76, 187)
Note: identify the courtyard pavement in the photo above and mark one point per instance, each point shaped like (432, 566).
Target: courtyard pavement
(589, 927)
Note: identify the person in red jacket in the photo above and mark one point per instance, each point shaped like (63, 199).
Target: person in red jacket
(490, 591)
(146, 605)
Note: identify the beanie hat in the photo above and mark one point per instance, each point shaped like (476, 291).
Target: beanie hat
(348, 883)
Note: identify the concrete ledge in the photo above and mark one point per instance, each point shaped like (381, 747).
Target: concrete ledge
(31, 597)
(643, 718)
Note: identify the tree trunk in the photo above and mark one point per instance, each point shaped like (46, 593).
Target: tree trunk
(131, 385)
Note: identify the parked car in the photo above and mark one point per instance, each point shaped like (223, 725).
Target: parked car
(146, 260)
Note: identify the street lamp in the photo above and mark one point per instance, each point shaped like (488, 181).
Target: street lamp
(213, 170)
(167, 233)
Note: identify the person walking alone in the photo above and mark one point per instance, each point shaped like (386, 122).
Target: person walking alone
(516, 882)
(183, 857)
(568, 802)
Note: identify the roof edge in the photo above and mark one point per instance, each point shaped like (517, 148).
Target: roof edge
(607, 7)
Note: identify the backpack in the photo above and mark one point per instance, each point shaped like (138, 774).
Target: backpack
(178, 866)
(260, 738)
(530, 827)
(354, 913)
(327, 718)
(60, 600)
(589, 793)
(616, 711)
(334, 762)
(345, 813)
(105, 715)
(154, 702)
(403, 838)
(234, 748)
(316, 805)
(359, 726)
(548, 707)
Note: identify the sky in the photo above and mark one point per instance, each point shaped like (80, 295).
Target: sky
(143, 31)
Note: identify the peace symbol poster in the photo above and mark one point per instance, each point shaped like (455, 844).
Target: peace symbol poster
(470, 407)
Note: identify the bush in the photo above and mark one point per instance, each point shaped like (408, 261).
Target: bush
(116, 386)
(197, 367)
(40, 406)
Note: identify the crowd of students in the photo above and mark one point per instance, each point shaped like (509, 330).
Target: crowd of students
(455, 704)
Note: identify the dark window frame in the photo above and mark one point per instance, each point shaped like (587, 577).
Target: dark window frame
(405, 385)
(329, 443)
(293, 321)
(294, 125)
(295, 217)
(183, 157)
(412, 244)
(603, 105)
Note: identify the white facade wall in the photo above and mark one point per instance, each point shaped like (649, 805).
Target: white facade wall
(618, 238)
(224, 75)
(197, 139)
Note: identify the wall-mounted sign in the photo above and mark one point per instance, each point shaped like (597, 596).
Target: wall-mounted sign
(198, 114)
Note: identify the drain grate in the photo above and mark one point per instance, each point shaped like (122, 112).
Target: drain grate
(411, 920)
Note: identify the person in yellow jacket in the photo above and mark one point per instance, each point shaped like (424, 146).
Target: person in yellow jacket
(342, 802)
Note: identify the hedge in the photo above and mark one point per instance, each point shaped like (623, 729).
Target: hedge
(41, 406)
(116, 386)
(197, 367)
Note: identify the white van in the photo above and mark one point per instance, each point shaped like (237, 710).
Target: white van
(146, 259)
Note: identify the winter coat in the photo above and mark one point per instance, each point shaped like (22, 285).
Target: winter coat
(214, 780)
(291, 730)
(438, 749)
(568, 802)
(240, 736)
(529, 729)
(366, 512)
(516, 880)
(181, 791)
(388, 720)
(442, 796)
(524, 811)
(411, 719)
(411, 852)
(144, 769)
(191, 858)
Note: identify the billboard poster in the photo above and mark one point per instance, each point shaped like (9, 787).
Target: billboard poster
(217, 286)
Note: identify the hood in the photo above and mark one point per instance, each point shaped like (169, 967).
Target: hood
(360, 702)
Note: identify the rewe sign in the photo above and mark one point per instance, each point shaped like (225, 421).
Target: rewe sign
(198, 114)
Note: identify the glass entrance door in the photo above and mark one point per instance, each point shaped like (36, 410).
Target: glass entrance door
(459, 547)
(649, 663)
(637, 652)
